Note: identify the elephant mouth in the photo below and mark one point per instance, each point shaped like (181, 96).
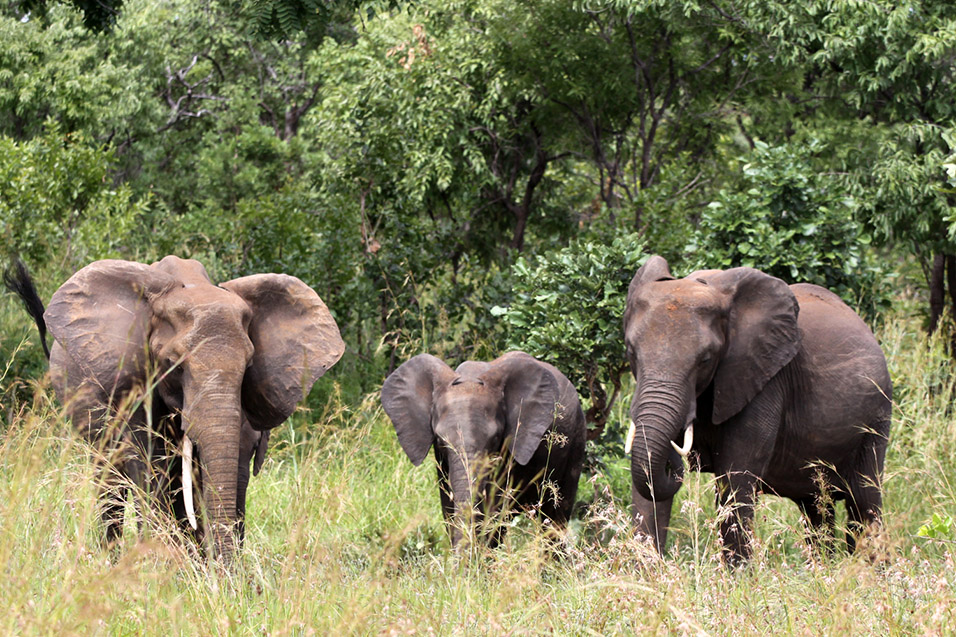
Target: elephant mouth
(683, 449)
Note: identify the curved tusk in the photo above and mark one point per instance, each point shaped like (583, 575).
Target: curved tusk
(188, 481)
(629, 440)
(688, 441)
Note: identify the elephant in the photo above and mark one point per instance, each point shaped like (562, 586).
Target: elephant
(516, 406)
(171, 376)
(774, 388)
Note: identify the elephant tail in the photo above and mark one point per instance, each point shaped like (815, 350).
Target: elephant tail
(18, 280)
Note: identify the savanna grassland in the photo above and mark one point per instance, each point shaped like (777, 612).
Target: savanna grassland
(464, 177)
(345, 536)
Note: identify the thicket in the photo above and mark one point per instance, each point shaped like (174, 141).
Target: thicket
(422, 164)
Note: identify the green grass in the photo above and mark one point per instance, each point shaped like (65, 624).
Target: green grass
(345, 536)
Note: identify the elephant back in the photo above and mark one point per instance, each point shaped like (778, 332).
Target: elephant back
(844, 351)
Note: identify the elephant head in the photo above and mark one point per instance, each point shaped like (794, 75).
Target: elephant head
(726, 333)
(236, 356)
(470, 414)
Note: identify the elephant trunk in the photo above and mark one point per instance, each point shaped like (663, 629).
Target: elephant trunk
(660, 410)
(216, 432)
(468, 480)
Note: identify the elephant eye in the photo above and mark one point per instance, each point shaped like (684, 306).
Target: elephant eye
(706, 359)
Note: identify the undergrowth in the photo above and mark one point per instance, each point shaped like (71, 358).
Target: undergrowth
(345, 536)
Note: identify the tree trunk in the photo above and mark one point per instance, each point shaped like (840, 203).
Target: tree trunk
(936, 292)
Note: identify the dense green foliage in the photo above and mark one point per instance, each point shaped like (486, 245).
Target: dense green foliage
(57, 205)
(567, 310)
(401, 160)
(784, 217)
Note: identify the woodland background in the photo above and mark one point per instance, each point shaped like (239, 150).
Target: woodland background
(462, 177)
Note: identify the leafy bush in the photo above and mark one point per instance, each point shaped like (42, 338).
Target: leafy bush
(939, 527)
(567, 310)
(58, 206)
(787, 219)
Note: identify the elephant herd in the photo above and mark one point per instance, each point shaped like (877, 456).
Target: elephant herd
(774, 388)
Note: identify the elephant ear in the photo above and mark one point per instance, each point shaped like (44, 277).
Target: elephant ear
(296, 341)
(762, 336)
(100, 316)
(530, 396)
(407, 396)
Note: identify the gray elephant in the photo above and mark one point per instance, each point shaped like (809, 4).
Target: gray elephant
(774, 388)
(173, 376)
(515, 405)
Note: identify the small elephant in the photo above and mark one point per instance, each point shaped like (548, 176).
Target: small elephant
(516, 405)
(775, 388)
(167, 373)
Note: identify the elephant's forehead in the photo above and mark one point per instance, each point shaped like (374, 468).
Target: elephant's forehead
(472, 369)
(468, 394)
(683, 294)
(201, 301)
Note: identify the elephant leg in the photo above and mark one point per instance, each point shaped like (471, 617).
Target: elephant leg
(820, 517)
(568, 493)
(241, 500)
(865, 503)
(445, 493)
(736, 494)
(112, 498)
(121, 467)
(651, 519)
(557, 499)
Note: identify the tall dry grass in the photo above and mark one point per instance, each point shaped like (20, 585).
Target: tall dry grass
(345, 536)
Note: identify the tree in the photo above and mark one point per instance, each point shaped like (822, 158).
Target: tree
(270, 19)
(784, 216)
(567, 310)
(890, 66)
(58, 209)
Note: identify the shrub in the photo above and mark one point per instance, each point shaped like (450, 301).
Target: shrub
(793, 222)
(567, 310)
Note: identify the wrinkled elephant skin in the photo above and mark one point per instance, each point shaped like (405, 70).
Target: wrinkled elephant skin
(774, 388)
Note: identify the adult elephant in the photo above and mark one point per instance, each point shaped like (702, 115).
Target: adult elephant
(774, 388)
(516, 406)
(169, 373)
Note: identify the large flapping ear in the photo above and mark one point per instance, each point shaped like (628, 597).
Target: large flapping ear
(408, 395)
(100, 316)
(296, 340)
(530, 393)
(762, 335)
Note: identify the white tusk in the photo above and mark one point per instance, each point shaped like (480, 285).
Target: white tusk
(688, 441)
(188, 481)
(629, 441)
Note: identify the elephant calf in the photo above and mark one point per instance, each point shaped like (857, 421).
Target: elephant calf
(773, 387)
(516, 405)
